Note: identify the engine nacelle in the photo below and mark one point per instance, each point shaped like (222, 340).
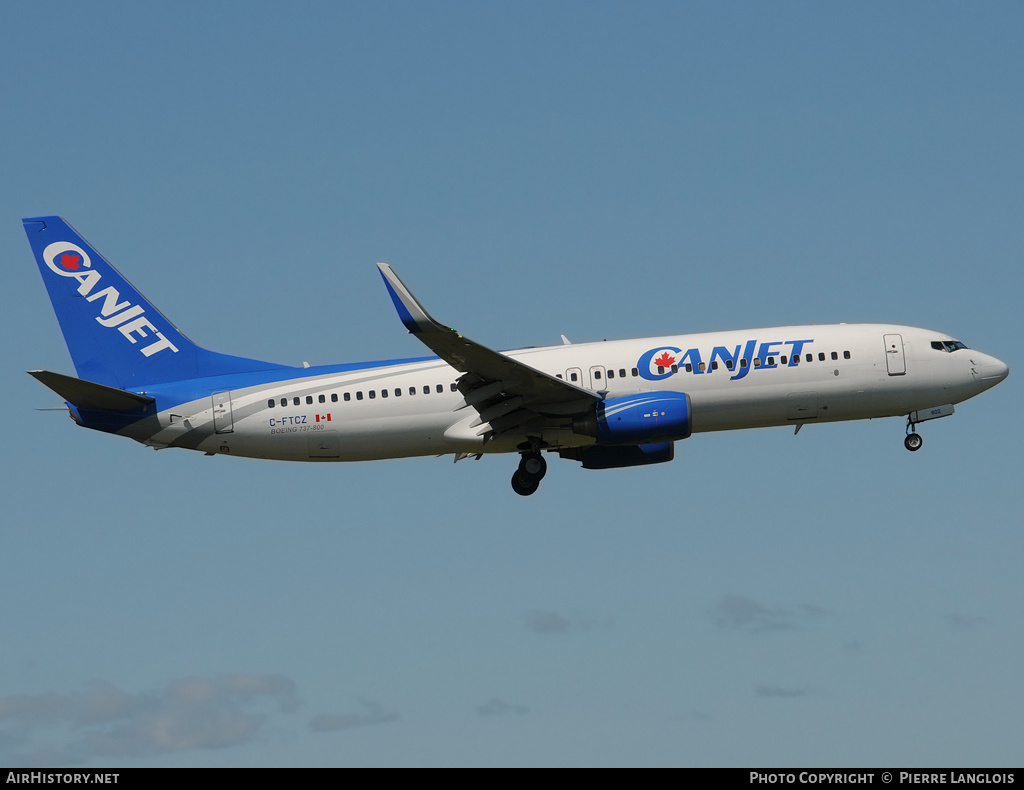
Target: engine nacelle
(645, 418)
(597, 456)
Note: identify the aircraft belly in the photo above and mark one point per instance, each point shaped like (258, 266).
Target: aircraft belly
(859, 394)
(722, 410)
(339, 440)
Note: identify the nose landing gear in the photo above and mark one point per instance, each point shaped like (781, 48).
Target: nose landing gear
(532, 468)
(913, 442)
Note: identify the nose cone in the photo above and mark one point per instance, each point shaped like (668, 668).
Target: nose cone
(991, 371)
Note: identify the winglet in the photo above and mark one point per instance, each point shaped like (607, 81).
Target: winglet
(496, 373)
(415, 318)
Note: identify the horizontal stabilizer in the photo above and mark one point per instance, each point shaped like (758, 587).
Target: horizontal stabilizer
(90, 395)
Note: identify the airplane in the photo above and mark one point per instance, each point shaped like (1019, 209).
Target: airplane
(605, 405)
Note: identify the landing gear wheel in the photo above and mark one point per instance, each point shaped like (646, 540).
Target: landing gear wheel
(534, 466)
(913, 442)
(524, 484)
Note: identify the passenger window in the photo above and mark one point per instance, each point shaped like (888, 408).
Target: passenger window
(296, 401)
(821, 356)
(810, 357)
(714, 365)
(439, 389)
(728, 364)
(846, 355)
(572, 377)
(454, 387)
(309, 400)
(334, 397)
(771, 362)
(689, 368)
(412, 390)
(675, 368)
(782, 360)
(743, 363)
(635, 373)
(558, 375)
(597, 374)
(348, 396)
(373, 394)
(284, 402)
(661, 369)
(835, 355)
(757, 362)
(322, 399)
(271, 403)
(383, 393)
(398, 392)
(622, 373)
(359, 395)
(426, 390)
(611, 374)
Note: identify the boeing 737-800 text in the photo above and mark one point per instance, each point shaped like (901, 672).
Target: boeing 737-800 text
(606, 405)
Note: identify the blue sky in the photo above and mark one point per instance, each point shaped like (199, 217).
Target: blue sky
(603, 170)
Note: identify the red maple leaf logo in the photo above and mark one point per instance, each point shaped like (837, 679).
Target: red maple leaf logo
(70, 261)
(665, 360)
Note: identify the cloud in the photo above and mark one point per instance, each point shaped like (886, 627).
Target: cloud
(497, 707)
(744, 614)
(100, 704)
(547, 622)
(964, 622)
(175, 730)
(190, 713)
(741, 613)
(46, 758)
(372, 713)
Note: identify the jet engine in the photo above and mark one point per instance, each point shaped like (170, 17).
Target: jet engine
(645, 418)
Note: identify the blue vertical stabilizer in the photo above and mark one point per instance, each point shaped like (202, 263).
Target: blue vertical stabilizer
(115, 336)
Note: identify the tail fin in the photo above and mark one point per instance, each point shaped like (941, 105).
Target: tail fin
(115, 336)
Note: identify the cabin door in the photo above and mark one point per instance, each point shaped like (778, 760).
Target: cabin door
(222, 422)
(894, 359)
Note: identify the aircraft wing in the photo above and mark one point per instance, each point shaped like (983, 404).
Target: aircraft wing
(490, 375)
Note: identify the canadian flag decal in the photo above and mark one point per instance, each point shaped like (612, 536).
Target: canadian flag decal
(323, 417)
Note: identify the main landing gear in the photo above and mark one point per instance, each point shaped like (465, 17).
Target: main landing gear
(532, 468)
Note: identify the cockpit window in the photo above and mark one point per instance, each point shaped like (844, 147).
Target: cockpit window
(949, 346)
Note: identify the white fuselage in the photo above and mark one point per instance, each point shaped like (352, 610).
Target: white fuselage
(735, 379)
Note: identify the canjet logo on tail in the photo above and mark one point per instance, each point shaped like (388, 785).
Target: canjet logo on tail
(129, 319)
(72, 258)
